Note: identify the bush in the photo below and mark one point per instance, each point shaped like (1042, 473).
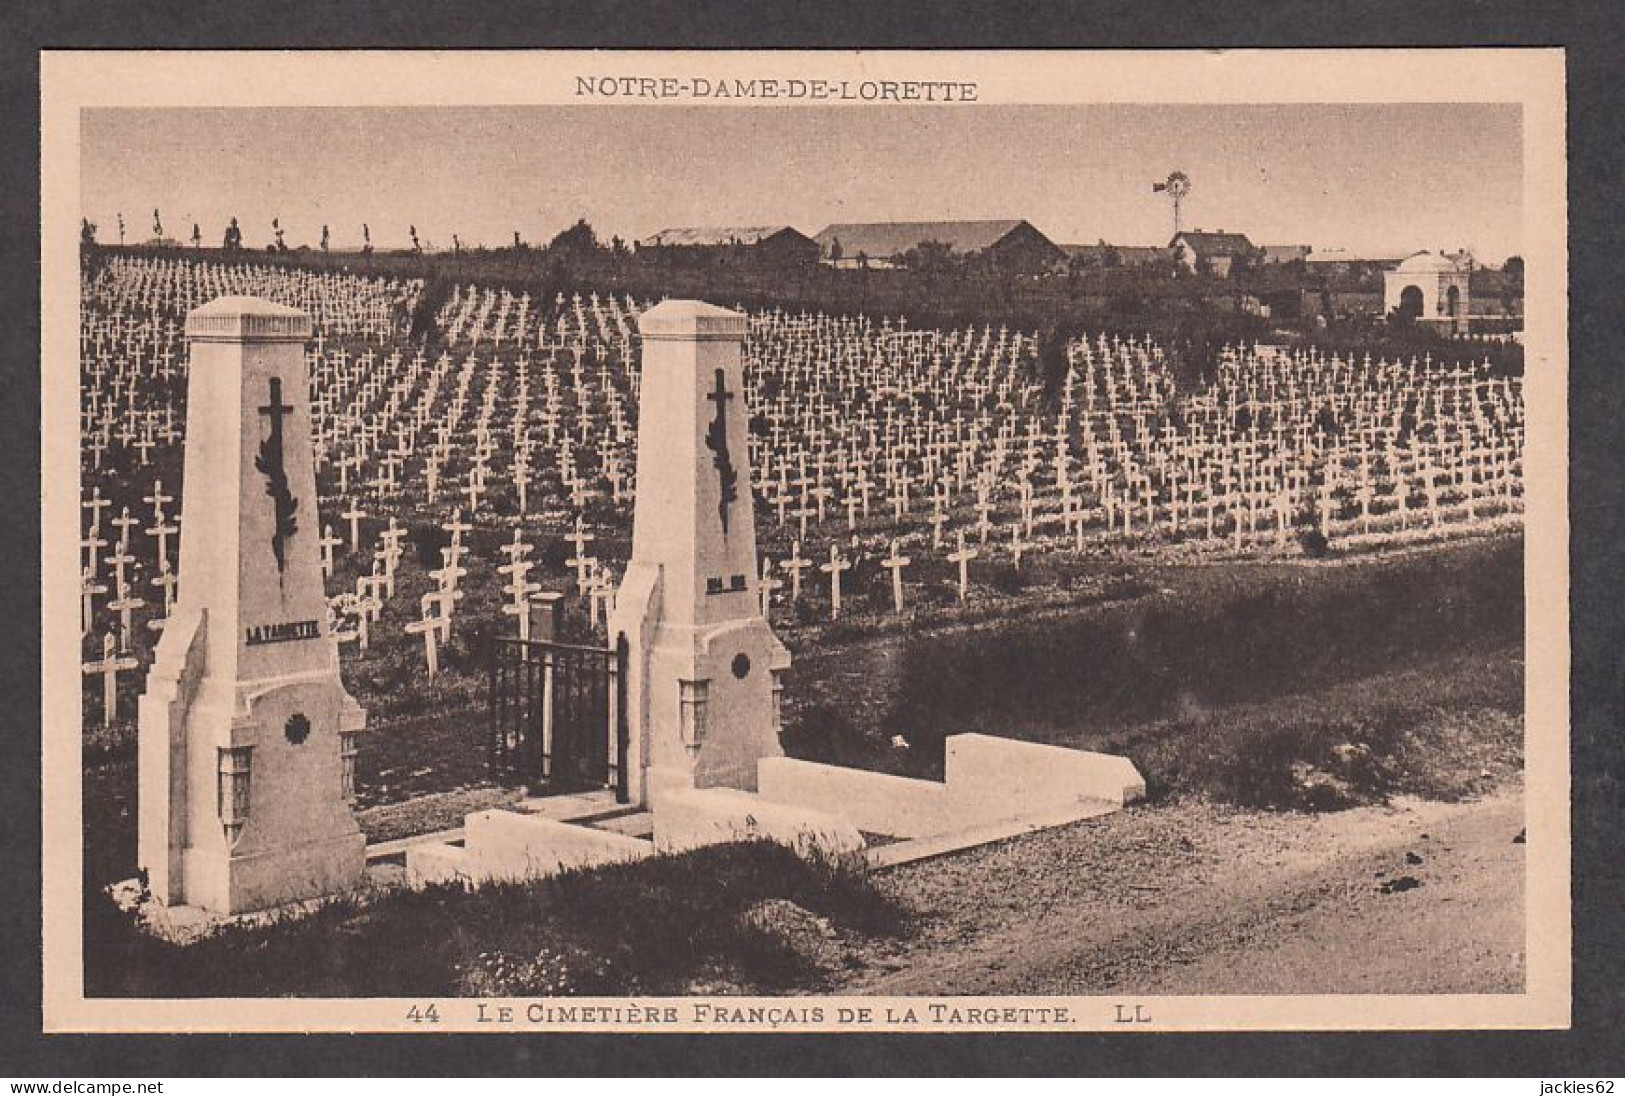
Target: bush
(651, 926)
(1310, 767)
(1220, 642)
(1261, 771)
(1314, 543)
(1433, 730)
(826, 736)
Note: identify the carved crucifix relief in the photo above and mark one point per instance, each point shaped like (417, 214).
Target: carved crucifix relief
(270, 464)
(716, 440)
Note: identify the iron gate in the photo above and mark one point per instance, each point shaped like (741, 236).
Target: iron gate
(558, 715)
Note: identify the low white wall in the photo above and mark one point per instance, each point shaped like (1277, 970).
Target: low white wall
(506, 845)
(691, 819)
(988, 779)
(1004, 771)
(437, 863)
(510, 845)
(875, 802)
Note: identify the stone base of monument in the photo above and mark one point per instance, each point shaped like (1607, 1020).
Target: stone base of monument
(184, 923)
(987, 780)
(277, 876)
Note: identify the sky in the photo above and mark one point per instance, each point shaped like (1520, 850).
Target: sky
(1379, 177)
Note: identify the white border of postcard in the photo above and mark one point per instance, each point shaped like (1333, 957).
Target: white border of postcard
(72, 81)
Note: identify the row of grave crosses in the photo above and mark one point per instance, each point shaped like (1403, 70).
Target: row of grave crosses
(1136, 392)
(858, 426)
(351, 615)
(500, 318)
(837, 564)
(116, 650)
(372, 414)
(595, 580)
(373, 308)
(124, 566)
(133, 378)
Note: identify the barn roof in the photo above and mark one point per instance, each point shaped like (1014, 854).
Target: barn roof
(886, 238)
(1286, 253)
(715, 236)
(1215, 244)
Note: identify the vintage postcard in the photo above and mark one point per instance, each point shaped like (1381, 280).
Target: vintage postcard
(918, 541)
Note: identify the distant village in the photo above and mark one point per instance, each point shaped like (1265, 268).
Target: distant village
(1445, 289)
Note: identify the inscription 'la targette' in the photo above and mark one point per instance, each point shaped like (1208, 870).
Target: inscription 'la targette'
(282, 633)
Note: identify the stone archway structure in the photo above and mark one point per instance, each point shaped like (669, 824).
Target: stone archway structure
(1442, 284)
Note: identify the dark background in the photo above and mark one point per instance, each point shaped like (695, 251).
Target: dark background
(1594, 35)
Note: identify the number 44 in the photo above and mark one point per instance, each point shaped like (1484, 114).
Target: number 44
(426, 1015)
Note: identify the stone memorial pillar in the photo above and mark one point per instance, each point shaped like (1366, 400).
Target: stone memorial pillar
(247, 735)
(703, 666)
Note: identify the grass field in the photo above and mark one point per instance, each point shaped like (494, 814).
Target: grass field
(1237, 645)
(660, 926)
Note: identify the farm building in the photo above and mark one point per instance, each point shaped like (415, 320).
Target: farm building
(1016, 243)
(1217, 252)
(774, 243)
(1285, 253)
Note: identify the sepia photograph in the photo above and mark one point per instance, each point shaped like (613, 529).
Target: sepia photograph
(805, 542)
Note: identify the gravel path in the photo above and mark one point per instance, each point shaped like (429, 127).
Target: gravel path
(1192, 898)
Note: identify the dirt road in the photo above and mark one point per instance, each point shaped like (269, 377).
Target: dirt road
(1190, 898)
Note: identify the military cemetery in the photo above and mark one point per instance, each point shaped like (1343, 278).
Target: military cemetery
(409, 581)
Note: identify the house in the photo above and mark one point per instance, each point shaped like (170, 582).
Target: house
(772, 243)
(1214, 252)
(1016, 243)
(1285, 253)
(1105, 256)
(1134, 256)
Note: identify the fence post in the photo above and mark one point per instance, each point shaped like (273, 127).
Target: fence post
(547, 713)
(620, 722)
(547, 617)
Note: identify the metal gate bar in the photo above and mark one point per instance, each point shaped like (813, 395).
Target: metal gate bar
(559, 713)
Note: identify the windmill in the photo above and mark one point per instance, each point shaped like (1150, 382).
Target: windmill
(1176, 186)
